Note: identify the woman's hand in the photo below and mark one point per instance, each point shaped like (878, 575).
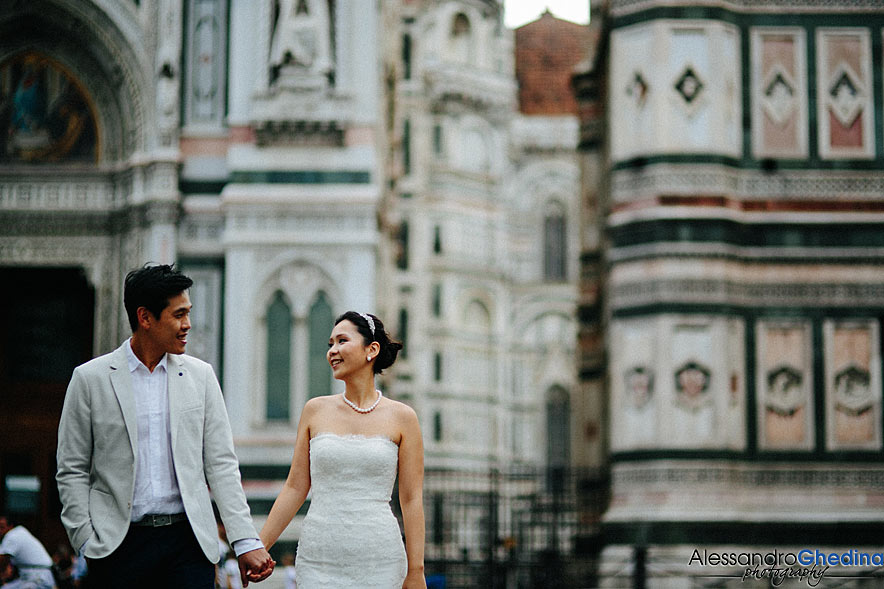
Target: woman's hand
(415, 580)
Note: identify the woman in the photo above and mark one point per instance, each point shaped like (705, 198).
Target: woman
(348, 450)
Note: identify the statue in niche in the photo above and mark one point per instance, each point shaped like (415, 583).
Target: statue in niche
(44, 112)
(300, 49)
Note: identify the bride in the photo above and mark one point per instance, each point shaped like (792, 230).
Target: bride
(348, 450)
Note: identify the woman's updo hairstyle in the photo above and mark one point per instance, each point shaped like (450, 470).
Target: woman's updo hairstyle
(389, 348)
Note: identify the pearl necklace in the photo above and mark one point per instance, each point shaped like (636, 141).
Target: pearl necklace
(359, 409)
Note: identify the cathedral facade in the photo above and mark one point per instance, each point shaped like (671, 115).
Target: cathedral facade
(297, 159)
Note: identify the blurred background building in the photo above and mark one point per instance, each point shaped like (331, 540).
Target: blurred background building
(732, 264)
(636, 265)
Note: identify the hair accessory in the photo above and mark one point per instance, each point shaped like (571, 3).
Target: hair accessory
(359, 409)
(368, 320)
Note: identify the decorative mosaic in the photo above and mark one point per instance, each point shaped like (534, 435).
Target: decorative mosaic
(853, 385)
(784, 386)
(844, 83)
(779, 93)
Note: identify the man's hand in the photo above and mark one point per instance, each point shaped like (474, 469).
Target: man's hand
(255, 566)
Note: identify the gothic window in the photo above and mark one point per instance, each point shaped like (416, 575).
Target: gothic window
(406, 56)
(437, 240)
(437, 367)
(402, 246)
(279, 353)
(554, 244)
(406, 147)
(437, 426)
(319, 322)
(403, 331)
(437, 300)
(437, 139)
(461, 32)
(558, 435)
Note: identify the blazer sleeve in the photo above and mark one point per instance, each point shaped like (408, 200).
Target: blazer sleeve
(74, 457)
(222, 467)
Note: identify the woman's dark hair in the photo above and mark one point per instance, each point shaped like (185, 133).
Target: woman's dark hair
(151, 287)
(389, 348)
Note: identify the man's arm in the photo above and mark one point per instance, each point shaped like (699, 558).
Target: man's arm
(74, 456)
(222, 474)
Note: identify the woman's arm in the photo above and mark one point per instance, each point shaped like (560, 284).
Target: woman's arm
(411, 491)
(296, 486)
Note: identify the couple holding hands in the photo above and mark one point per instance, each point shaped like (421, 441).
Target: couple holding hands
(144, 437)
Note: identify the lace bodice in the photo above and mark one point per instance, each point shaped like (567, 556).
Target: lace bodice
(350, 537)
(357, 470)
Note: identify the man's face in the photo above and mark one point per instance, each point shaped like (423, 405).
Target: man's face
(169, 331)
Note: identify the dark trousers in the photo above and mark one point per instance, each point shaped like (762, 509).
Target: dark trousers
(154, 558)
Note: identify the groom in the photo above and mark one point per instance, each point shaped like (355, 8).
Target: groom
(143, 436)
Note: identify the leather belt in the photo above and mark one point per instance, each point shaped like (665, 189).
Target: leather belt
(161, 519)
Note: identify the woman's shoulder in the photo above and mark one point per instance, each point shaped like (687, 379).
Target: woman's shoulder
(319, 403)
(402, 411)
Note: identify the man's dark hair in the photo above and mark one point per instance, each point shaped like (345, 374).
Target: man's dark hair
(151, 287)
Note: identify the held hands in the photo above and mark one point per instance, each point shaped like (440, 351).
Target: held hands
(255, 566)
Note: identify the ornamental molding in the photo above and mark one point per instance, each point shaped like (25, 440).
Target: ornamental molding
(449, 84)
(619, 8)
(92, 252)
(631, 185)
(741, 474)
(299, 133)
(722, 292)
(46, 194)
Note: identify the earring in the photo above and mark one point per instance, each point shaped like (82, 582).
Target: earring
(368, 358)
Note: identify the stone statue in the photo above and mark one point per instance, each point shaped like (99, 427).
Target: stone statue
(300, 51)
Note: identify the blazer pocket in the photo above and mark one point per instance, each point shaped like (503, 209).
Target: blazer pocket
(100, 504)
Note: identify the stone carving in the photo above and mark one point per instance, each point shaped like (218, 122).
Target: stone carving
(785, 391)
(692, 385)
(639, 386)
(300, 49)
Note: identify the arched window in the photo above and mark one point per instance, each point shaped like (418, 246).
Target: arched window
(279, 358)
(554, 243)
(461, 33)
(319, 326)
(558, 428)
(406, 56)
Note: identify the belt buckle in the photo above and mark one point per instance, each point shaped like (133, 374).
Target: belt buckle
(161, 520)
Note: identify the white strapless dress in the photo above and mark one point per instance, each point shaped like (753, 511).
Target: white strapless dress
(350, 537)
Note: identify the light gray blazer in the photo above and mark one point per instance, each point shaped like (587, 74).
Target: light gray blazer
(97, 441)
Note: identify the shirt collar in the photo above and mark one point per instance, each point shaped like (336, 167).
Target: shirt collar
(134, 362)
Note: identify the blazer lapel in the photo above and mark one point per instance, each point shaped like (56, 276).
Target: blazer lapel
(122, 384)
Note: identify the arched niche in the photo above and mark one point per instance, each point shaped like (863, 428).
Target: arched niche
(79, 43)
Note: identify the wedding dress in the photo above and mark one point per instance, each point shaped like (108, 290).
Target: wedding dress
(350, 537)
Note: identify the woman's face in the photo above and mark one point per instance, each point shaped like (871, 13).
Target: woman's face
(347, 351)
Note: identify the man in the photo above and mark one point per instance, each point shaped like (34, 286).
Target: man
(26, 555)
(144, 435)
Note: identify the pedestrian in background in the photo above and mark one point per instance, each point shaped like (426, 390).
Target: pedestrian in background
(26, 555)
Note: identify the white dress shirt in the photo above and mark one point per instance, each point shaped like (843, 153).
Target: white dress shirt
(156, 484)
